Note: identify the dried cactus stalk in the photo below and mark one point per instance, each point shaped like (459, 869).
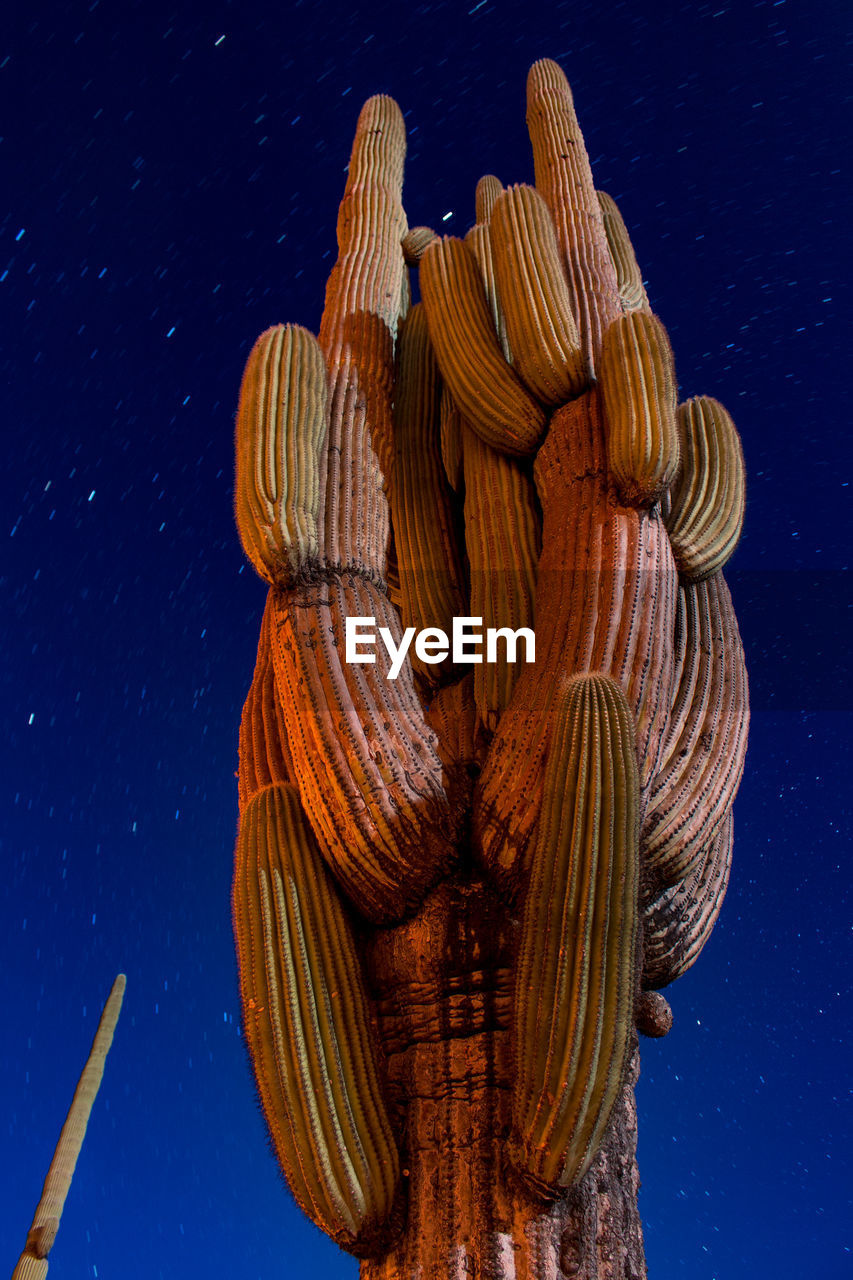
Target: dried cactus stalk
(534, 296)
(708, 498)
(490, 395)
(629, 277)
(365, 760)
(678, 922)
(605, 601)
(280, 438)
(502, 538)
(432, 582)
(308, 1026)
(576, 976)
(703, 753)
(451, 431)
(264, 755)
(564, 178)
(637, 377)
(364, 296)
(32, 1263)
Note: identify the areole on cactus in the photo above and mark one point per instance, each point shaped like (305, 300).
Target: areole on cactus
(457, 893)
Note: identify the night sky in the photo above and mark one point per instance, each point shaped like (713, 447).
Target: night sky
(169, 185)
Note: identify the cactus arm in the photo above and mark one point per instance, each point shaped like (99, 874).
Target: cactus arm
(629, 277)
(479, 240)
(678, 921)
(490, 394)
(414, 242)
(451, 433)
(358, 331)
(534, 298)
(308, 1025)
(704, 516)
(364, 756)
(638, 386)
(280, 437)
(432, 580)
(564, 178)
(502, 538)
(577, 968)
(488, 189)
(703, 754)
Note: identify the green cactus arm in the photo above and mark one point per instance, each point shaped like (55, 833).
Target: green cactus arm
(490, 394)
(430, 563)
(636, 372)
(308, 1025)
(280, 437)
(502, 537)
(577, 975)
(704, 515)
(488, 190)
(534, 297)
(629, 277)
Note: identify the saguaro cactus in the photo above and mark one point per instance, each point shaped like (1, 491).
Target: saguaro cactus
(458, 893)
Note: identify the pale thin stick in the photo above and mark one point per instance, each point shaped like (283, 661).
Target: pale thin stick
(32, 1264)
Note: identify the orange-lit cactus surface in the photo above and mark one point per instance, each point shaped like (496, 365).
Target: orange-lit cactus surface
(458, 889)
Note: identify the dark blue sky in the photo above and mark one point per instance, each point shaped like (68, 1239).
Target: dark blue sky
(166, 194)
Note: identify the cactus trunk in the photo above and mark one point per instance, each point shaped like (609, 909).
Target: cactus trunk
(446, 1031)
